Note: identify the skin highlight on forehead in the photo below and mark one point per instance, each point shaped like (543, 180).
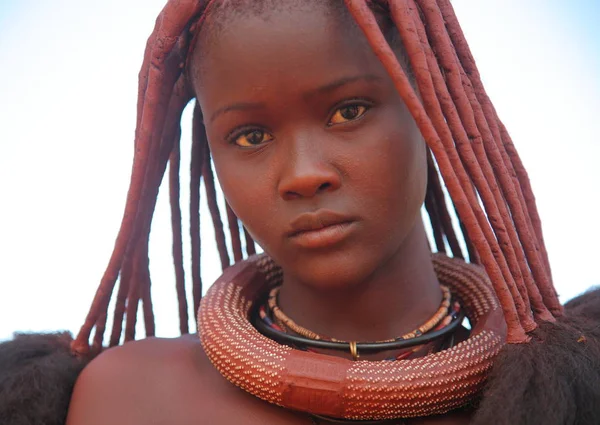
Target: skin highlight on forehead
(224, 16)
(218, 12)
(242, 106)
(268, 37)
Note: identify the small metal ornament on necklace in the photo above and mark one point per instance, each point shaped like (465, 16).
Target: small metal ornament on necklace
(354, 351)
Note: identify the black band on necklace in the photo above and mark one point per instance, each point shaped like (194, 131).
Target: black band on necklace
(363, 347)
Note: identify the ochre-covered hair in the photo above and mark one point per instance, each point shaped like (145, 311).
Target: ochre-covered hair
(470, 154)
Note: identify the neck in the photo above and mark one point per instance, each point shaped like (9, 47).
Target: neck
(399, 296)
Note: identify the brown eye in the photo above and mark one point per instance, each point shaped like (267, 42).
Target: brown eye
(347, 113)
(253, 138)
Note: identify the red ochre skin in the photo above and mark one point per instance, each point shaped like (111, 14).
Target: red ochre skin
(371, 283)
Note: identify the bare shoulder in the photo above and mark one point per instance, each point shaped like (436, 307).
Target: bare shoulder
(141, 382)
(165, 382)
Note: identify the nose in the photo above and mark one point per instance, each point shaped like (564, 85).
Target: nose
(306, 173)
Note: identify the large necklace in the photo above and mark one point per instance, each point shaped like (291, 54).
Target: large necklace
(341, 388)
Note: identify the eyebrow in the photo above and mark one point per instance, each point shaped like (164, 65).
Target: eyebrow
(334, 85)
(329, 87)
(240, 106)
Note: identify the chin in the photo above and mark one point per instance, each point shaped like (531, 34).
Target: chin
(338, 271)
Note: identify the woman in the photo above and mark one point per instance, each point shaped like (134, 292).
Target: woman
(326, 153)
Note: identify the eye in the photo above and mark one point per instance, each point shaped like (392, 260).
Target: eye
(252, 138)
(347, 113)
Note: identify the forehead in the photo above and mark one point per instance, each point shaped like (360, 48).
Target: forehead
(286, 49)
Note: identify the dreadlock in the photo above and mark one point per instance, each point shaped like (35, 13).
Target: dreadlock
(471, 158)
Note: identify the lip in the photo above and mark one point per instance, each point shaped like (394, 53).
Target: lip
(320, 229)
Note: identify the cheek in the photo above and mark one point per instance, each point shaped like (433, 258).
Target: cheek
(396, 161)
(414, 174)
(393, 174)
(237, 188)
(246, 192)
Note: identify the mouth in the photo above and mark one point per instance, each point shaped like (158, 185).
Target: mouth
(320, 229)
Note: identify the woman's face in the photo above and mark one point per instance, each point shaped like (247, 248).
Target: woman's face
(314, 149)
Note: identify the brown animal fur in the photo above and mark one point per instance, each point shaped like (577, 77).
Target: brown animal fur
(552, 380)
(37, 375)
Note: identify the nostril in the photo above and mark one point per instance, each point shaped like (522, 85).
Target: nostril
(289, 195)
(324, 187)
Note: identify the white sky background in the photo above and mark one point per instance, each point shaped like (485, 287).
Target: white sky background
(68, 80)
